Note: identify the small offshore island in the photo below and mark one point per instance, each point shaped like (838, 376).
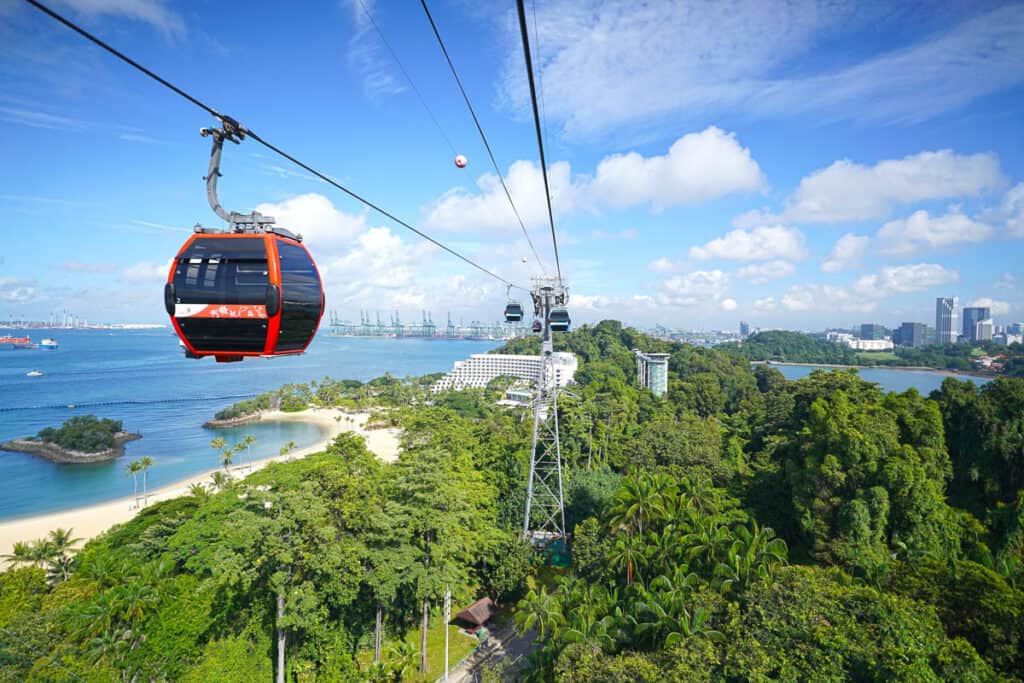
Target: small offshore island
(83, 439)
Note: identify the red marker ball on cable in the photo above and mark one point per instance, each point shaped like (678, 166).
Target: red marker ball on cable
(460, 161)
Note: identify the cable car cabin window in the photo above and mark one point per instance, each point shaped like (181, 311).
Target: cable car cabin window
(300, 297)
(223, 271)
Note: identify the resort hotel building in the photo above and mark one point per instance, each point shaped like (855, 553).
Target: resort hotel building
(481, 368)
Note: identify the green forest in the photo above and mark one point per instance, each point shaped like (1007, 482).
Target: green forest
(742, 528)
(796, 347)
(85, 433)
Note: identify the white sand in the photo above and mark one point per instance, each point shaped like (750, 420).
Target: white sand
(94, 519)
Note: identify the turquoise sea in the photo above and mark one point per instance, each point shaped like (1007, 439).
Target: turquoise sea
(142, 378)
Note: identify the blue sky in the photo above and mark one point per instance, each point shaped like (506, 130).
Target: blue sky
(793, 164)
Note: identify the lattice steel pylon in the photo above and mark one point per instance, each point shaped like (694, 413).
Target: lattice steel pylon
(544, 520)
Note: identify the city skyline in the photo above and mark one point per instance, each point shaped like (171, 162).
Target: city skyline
(825, 164)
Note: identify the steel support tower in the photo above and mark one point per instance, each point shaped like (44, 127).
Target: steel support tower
(544, 520)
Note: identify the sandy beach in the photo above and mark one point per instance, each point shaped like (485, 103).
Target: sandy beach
(92, 520)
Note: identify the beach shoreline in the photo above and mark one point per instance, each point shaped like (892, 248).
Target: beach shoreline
(91, 520)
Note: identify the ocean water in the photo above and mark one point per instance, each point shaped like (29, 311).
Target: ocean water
(890, 379)
(142, 378)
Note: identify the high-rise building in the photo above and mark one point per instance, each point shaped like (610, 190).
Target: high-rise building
(912, 334)
(873, 331)
(1015, 328)
(945, 319)
(972, 315)
(744, 329)
(652, 371)
(983, 330)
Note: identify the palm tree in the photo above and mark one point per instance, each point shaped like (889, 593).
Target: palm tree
(540, 610)
(42, 552)
(133, 468)
(221, 481)
(753, 554)
(249, 440)
(629, 553)
(62, 544)
(287, 448)
(639, 499)
(226, 455)
(145, 462)
(22, 554)
(199, 492)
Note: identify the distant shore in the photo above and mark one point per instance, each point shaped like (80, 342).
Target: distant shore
(64, 456)
(92, 520)
(915, 368)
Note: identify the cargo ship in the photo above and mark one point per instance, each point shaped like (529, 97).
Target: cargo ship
(9, 342)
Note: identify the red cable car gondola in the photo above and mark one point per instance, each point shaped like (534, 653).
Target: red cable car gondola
(254, 291)
(232, 295)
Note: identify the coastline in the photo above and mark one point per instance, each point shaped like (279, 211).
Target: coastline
(54, 453)
(91, 520)
(913, 368)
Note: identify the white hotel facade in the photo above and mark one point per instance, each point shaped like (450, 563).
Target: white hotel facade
(481, 368)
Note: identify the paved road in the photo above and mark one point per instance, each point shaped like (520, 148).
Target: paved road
(501, 645)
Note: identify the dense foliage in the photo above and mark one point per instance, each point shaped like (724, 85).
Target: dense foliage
(741, 528)
(85, 433)
(797, 347)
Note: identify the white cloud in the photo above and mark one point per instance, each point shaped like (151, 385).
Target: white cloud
(760, 273)
(902, 279)
(811, 297)
(368, 56)
(1013, 209)
(697, 287)
(698, 167)
(608, 65)
(758, 244)
(729, 304)
(846, 191)
(323, 227)
(17, 291)
(82, 267)
(1006, 281)
(488, 210)
(151, 12)
(662, 265)
(997, 307)
(846, 253)
(921, 231)
(147, 271)
(765, 304)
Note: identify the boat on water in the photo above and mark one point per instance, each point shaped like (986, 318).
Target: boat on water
(34, 373)
(10, 342)
(49, 344)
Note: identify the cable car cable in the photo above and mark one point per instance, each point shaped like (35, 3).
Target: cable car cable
(536, 122)
(405, 73)
(222, 117)
(480, 129)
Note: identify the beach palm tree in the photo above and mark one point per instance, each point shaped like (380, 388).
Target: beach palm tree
(226, 454)
(287, 448)
(21, 554)
(199, 492)
(249, 440)
(145, 462)
(221, 481)
(133, 468)
(62, 544)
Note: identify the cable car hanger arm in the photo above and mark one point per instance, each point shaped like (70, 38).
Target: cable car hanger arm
(233, 131)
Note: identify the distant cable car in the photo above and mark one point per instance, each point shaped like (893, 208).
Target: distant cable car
(253, 291)
(537, 327)
(558, 319)
(232, 295)
(461, 161)
(513, 312)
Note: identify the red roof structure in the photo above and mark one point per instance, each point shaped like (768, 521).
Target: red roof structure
(478, 613)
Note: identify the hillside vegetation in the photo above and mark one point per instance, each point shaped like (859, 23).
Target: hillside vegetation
(742, 528)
